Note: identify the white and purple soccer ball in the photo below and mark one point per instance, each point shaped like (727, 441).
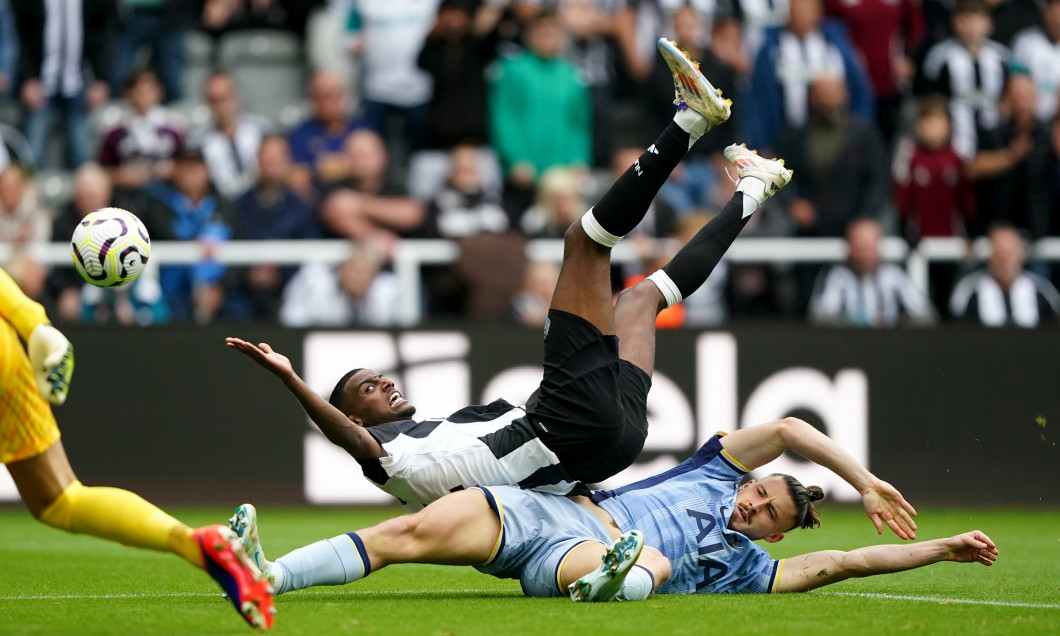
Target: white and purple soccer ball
(110, 247)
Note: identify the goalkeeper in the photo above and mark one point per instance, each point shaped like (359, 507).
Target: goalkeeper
(34, 455)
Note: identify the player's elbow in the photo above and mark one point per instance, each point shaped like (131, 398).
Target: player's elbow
(854, 565)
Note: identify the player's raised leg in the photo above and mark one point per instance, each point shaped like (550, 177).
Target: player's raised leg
(37, 462)
(584, 286)
(635, 311)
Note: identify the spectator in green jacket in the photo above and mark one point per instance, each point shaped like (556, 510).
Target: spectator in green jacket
(540, 110)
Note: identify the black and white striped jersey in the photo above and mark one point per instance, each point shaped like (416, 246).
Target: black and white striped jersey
(486, 445)
(1030, 301)
(877, 299)
(974, 85)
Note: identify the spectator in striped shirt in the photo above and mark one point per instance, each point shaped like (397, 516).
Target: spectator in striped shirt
(865, 292)
(1003, 293)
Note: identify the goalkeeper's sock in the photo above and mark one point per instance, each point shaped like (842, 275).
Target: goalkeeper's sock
(336, 561)
(122, 516)
(21, 311)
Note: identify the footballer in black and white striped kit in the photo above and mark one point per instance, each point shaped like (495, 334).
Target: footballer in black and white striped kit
(587, 421)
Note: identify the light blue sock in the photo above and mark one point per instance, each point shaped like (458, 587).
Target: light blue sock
(336, 561)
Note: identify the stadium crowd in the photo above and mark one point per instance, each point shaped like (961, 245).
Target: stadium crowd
(490, 122)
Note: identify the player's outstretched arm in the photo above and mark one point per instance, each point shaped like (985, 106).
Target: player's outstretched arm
(50, 354)
(759, 445)
(815, 569)
(331, 421)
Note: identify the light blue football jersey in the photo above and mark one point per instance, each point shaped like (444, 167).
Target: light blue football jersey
(684, 512)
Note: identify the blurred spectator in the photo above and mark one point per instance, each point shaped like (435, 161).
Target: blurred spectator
(531, 303)
(931, 192)
(465, 207)
(1003, 293)
(456, 54)
(142, 145)
(8, 50)
(316, 144)
(22, 220)
(559, 203)
(387, 36)
(23, 223)
(230, 144)
(933, 196)
(185, 209)
(790, 60)
(841, 163)
(1037, 50)
(357, 292)
(1012, 167)
(270, 210)
(363, 205)
(222, 16)
(538, 114)
(865, 292)
(599, 32)
(693, 183)
(92, 191)
(756, 18)
(56, 49)
(77, 301)
(970, 69)
(887, 33)
(160, 25)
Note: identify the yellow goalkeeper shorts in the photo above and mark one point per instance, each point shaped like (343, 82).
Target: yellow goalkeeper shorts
(27, 426)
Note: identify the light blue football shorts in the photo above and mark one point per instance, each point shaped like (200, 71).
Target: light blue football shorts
(538, 530)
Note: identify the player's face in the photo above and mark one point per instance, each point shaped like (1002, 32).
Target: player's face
(764, 510)
(372, 399)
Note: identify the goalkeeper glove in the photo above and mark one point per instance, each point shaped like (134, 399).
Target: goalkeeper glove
(52, 357)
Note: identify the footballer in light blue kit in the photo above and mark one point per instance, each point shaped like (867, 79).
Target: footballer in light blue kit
(685, 512)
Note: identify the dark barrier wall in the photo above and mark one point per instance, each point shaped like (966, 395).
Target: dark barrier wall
(956, 416)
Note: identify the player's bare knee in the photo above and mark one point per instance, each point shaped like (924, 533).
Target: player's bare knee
(642, 298)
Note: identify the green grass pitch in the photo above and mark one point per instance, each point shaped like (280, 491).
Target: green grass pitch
(53, 583)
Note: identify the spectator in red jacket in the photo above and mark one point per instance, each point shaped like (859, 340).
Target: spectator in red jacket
(931, 192)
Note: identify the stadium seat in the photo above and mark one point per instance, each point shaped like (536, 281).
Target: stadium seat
(198, 63)
(284, 116)
(267, 67)
(55, 188)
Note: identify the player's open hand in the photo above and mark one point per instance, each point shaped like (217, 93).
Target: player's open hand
(52, 357)
(263, 354)
(972, 547)
(885, 505)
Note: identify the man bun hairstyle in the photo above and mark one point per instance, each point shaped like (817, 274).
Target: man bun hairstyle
(337, 393)
(806, 515)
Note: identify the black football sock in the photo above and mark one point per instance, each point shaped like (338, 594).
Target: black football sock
(625, 204)
(691, 266)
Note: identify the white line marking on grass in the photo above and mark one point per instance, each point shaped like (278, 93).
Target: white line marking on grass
(388, 593)
(931, 599)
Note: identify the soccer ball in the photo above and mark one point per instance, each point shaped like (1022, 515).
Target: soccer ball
(110, 247)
